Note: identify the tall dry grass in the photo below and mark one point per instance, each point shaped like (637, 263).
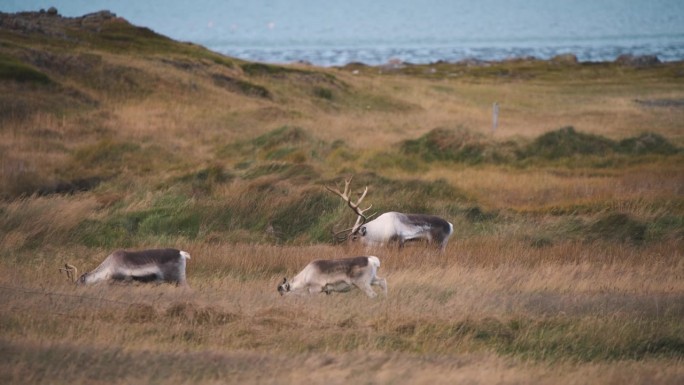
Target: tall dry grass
(507, 310)
(638, 189)
(43, 218)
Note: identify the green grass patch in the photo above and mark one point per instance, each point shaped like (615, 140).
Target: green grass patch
(551, 339)
(284, 135)
(410, 196)
(323, 93)
(665, 226)
(13, 69)
(241, 86)
(169, 217)
(303, 217)
(588, 340)
(261, 69)
(275, 71)
(277, 212)
(205, 180)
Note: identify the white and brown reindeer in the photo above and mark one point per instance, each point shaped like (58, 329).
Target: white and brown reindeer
(392, 226)
(153, 265)
(336, 275)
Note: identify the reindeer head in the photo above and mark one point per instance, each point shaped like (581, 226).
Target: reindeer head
(358, 233)
(284, 287)
(358, 230)
(82, 279)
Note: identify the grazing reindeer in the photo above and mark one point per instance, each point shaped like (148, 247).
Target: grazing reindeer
(336, 275)
(155, 265)
(392, 226)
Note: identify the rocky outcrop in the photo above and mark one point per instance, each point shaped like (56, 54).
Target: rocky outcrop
(51, 23)
(630, 60)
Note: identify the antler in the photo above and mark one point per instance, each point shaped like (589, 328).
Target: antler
(71, 271)
(340, 236)
(361, 218)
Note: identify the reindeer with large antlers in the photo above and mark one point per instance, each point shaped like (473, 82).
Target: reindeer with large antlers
(391, 226)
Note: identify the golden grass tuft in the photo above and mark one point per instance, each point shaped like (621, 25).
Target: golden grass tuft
(40, 218)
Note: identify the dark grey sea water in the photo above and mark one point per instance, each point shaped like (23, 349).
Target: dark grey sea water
(336, 32)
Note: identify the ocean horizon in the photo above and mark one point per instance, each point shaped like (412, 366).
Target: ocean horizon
(327, 33)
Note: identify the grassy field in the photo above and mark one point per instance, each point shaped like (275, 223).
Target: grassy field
(566, 265)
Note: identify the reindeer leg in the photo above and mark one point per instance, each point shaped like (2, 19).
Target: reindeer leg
(382, 282)
(314, 289)
(368, 290)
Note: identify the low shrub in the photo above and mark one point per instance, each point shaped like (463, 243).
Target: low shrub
(462, 146)
(567, 142)
(241, 86)
(647, 143)
(443, 144)
(617, 227)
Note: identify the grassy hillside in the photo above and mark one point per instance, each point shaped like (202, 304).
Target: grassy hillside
(565, 264)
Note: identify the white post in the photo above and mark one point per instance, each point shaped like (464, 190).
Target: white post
(495, 116)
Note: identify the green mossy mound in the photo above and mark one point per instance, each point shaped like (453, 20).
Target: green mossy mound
(441, 144)
(12, 69)
(463, 146)
(567, 142)
(617, 227)
(647, 143)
